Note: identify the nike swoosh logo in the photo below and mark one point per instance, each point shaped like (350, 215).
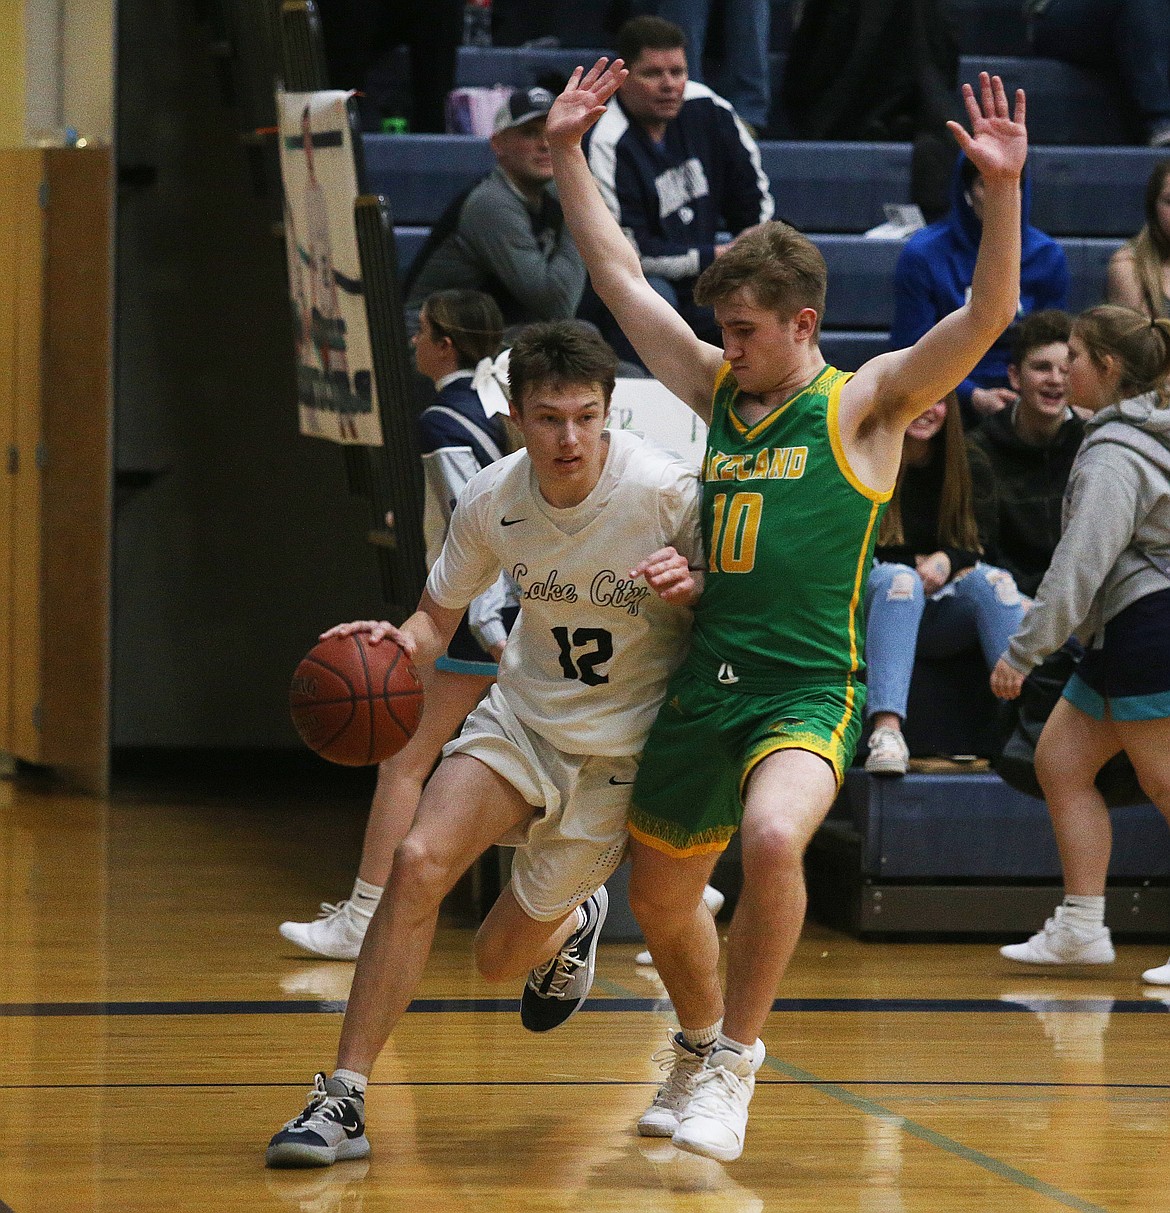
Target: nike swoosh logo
(621, 783)
(511, 521)
(349, 1121)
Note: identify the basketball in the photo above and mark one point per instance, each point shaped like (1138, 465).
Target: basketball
(353, 702)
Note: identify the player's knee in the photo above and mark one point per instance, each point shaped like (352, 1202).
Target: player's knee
(773, 847)
(422, 869)
(645, 903)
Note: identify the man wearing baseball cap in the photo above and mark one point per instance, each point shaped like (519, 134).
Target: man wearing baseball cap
(506, 235)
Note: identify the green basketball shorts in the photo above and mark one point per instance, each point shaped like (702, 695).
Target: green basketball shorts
(706, 741)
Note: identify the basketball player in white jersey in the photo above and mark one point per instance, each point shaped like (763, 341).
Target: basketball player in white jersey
(600, 532)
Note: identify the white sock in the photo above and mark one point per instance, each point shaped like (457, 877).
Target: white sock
(353, 1080)
(365, 897)
(1083, 912)
(725, 1042)
(701, 1040)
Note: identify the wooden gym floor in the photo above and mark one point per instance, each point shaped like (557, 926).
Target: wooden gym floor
(155, 1030)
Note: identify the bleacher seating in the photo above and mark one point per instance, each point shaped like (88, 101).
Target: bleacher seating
(1067, 104)
(1088, 197)
(962, 852)
(819, 187)
(860, 277)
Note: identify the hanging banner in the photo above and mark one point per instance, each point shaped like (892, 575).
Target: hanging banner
(336, 396)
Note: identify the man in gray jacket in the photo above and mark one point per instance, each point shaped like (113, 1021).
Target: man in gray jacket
(506, 236)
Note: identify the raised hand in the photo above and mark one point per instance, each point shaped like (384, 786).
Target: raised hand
(583, 101)
(998, 143)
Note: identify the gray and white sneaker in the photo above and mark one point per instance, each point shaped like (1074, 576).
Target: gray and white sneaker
(336, 933)
(556, 990)
(888, 753)
(714, 1121)
(1060, 943)
(681, 1063)
(332, 1128)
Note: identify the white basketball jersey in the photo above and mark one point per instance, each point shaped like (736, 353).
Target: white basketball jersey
(588, 659)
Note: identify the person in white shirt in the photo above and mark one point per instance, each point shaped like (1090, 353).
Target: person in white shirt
(599, 530)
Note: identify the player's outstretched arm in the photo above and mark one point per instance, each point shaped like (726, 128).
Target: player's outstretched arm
(895, 388)
(423, 637)
(672, 352)
(669, 575)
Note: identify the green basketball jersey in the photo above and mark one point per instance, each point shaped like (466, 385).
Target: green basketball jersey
(789, 532)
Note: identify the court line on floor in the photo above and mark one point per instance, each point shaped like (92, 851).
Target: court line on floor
(941, 1141)
(425, 1006)
(582, 1082)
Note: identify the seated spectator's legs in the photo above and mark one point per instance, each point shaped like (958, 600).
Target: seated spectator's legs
(983, 605)
(894, 603)
(1130, 36)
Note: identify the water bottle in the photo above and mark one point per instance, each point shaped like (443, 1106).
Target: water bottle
(477, 23)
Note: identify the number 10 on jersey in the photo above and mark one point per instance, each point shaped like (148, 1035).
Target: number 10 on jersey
(735, 529)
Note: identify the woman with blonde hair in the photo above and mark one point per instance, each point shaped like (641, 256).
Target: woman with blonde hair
(929, 593)
(1109, 584)
(1139, 272)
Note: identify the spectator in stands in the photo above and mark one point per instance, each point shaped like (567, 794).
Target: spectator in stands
(744, 76)
(506, 235)
(459, 336)
(1031, 446)
(929, 594)
(1109, 583)
(1139, 272)
(357, 33)
(1128, 38)
(933, 278)
(674, 163)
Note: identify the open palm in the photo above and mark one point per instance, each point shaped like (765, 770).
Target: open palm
(998, 141)
(583, 101)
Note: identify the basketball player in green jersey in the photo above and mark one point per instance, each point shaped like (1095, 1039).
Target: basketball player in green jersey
(763, 717)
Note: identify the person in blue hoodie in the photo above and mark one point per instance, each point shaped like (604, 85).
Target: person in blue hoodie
(933, 279)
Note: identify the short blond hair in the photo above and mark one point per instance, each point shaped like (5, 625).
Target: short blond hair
(782, 268)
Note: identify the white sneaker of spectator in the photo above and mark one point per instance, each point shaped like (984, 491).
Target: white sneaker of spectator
(888, 753)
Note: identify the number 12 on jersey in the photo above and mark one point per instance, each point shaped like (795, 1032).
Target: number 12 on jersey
(584, 667)
(735, 529)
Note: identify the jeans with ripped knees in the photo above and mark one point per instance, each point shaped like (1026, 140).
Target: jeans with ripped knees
(902, 624)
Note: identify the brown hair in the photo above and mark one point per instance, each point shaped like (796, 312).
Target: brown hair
(560, 353)
(647, 33)
(956, 511)
(1151, 246)
(1139, 344)
(1038, 329)
(471, 321)
(781, 267)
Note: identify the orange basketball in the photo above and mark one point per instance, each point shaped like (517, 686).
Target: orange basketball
(353, 702)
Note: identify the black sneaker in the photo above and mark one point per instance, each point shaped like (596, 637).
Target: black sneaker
(330, 1129)
(557, 989)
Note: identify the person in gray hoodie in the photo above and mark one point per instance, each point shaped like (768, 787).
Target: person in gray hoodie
(1108, 584)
